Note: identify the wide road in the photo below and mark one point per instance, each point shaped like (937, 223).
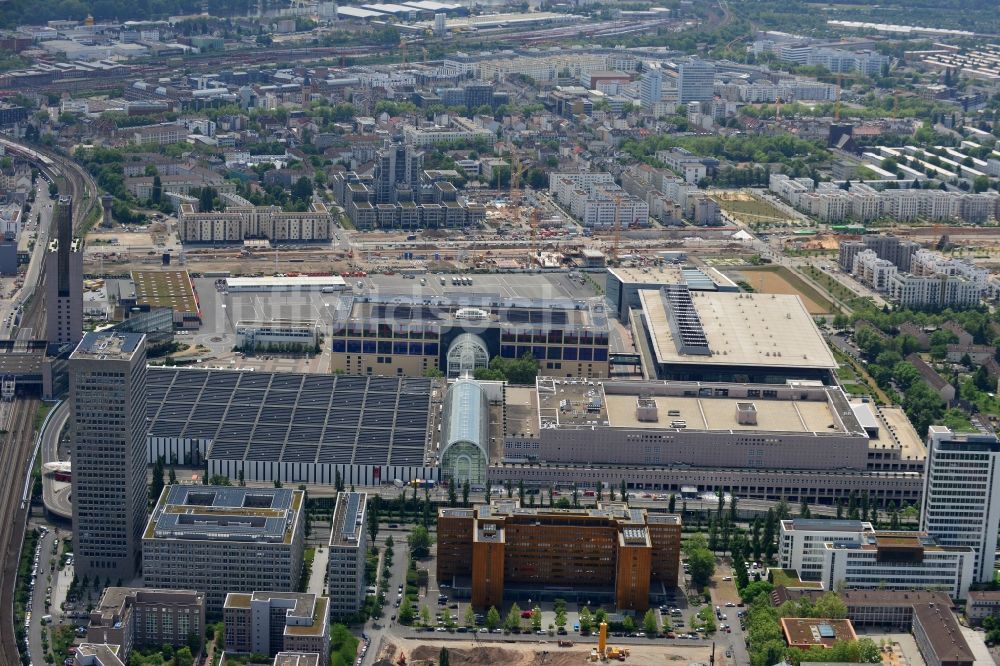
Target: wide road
(56, 494)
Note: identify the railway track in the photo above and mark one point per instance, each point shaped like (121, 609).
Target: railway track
(14, 460)
(18, 443)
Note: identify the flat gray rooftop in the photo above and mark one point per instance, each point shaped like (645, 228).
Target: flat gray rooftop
(226, 513)
(286, 417)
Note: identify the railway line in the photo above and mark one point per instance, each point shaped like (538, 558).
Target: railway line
(19, 446)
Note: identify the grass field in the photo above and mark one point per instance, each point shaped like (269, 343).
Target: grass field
(780, 280)
(749, 209)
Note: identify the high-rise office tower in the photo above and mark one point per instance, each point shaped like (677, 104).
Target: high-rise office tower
(64, 279)
(397, 173)
(651, 88)
(961, 499)
(696, 82)
(107, 389)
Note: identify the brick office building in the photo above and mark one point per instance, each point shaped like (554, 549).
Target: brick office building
(611, 551)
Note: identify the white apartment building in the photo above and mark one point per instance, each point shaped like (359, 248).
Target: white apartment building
(803, 542)
(898, 561)
(597, 200)
(345, 577)
(238, 223)
(961, 498)
(938, 291)
(222, 539)
(862, 202)
(456, 130)
(926, 262)
(874, 272)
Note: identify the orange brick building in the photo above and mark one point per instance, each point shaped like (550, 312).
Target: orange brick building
(609, 546)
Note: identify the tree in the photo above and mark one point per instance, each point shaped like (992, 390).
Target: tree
(536, 618)
(702, 565)
(373, 521)
(406, 612)
(443, 659)
(492, 618)
(156, 195)
(425, 615)
(470, 616)
(628, 624)
(338, 481)
(831, 606)
(513, 619)
(156, 487)
(206, 199)
(302, 190)
(624, 491)
(452, 494)
(586, 621)
(465, 493)
(242, 478)
(172, 476)
(420, 541)
(650, 624)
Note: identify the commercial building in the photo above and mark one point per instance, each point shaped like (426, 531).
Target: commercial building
(107, 389)
(465, 433)
(224, 539)
(297, 659)
(981, 604)
(654, 423)
(624, 284)
(961, 498)
(889, 608)
(97, 654)
(607, 552)
(345, 573)
(64, 279)
(939, 637)
(801, 542)
(898, 561)
(401, 335)
(690, 335)
(293, 428)
(169, 289)
(274, 285)
(238, 223)
(271, 622)
(807, 632)
(695, 81)
(133, 617)
(280, 334)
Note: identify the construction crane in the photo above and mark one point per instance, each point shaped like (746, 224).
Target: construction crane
(836, 104)
(617, 240)
(533, 221)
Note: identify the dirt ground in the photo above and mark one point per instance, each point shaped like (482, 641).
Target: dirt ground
(724, 591)
(463, 653)
(772, 282)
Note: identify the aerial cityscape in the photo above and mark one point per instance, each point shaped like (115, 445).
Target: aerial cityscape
(475, 332)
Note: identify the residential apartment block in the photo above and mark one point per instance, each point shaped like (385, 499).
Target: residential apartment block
(597, 200)
(345, 572)
(241, 222)
(133, 617)
(271, 622)
(223, 539)
(608, 552)
(107, 388)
